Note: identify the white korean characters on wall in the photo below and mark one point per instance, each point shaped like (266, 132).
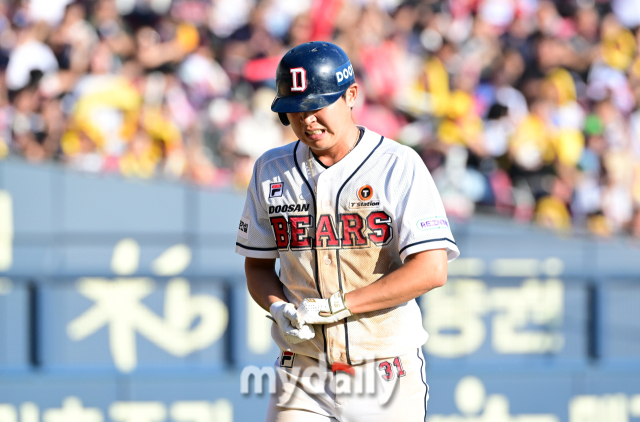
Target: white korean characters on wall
(190, 322)
(525, 317)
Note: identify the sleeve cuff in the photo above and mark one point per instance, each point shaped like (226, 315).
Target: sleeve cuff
(252, 252)
(426, 245)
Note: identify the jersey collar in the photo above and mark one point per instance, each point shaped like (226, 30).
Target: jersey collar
(353, 159)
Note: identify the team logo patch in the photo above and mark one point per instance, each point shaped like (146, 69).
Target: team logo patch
(286, 359)
(298, 79)
(275, 190)
(432, 223)
(344, 73)
(243, 228)
(365, 193)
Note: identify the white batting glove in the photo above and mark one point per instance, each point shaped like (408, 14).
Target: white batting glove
(286, 317)
(324, 311)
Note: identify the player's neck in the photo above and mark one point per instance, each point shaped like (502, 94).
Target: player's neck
(340, 150)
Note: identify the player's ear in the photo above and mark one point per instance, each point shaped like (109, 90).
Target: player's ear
(350, 95)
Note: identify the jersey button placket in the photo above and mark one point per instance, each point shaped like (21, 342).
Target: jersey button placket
(335, 354)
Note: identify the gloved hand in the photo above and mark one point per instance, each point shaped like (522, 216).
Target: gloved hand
(324, 311)
(287, 319)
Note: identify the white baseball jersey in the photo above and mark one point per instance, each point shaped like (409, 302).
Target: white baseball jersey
(372, 209)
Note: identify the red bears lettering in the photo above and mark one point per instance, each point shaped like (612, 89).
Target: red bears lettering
(352, 230)
(326, 236)
(280, 229)
(294, 233)
(299, 226)
(380, 224)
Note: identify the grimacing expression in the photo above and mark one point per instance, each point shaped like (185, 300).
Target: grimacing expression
(324, 128)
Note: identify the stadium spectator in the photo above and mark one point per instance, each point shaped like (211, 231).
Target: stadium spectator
(525, 108)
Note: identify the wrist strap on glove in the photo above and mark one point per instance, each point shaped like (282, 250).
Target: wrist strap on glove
(337, 304)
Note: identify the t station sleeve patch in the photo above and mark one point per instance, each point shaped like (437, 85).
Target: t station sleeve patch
(243, 228)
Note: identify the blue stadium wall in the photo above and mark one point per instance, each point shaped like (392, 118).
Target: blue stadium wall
(124, 300)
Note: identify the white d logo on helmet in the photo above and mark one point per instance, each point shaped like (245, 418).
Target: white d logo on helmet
(299, 79)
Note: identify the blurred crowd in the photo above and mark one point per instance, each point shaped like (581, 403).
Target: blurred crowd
(525, 108)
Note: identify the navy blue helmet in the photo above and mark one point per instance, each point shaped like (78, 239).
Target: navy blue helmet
(311, 76)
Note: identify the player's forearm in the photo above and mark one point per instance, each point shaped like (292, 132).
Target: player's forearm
(263, 282)
(420, 273)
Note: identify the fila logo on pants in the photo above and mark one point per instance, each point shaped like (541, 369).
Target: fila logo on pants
(286, 359)
(352, 231)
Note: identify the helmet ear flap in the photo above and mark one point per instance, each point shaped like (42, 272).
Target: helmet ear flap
(283, 118)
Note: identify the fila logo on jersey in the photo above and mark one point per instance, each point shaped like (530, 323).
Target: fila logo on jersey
(298, 79)
(344, 73)
(286, 359)
(352, 231)
(275, 189)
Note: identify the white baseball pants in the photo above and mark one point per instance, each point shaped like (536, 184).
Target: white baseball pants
(381, 390)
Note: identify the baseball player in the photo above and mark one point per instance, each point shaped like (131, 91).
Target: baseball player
(360, 231)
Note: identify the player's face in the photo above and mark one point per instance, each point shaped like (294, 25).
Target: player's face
(329, 127)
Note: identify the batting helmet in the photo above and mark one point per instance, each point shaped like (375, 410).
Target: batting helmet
(311, 76)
